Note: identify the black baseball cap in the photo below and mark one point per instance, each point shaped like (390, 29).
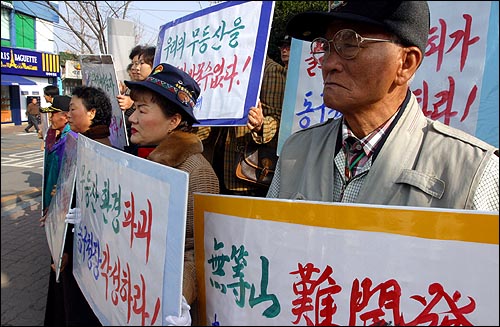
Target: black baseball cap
(408, 20)
(286, 41)
(59, 103)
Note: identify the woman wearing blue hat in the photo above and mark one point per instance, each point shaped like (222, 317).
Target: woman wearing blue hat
(161, 128)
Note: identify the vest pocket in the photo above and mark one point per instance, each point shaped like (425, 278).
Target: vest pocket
(427, 183)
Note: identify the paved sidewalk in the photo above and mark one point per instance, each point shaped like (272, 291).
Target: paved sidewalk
(25, 255)
(25, 263)
(33, 192)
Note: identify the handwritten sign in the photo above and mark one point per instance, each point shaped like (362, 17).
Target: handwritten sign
(129, 247)
(451, 86)
(99, 71)
(223, 48)
(268, 262)
(55, 225)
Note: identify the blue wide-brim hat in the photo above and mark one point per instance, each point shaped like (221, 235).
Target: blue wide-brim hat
(175, 85)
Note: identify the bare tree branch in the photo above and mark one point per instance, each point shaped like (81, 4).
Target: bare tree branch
(87, 22)
(70, 26)
(125, 8)
(100, 34)
(114, 12)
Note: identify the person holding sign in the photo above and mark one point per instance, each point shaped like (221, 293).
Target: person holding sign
(55, 143)
(141, 65)
(89, 114)
(161, 126)
(224, 146)
(49, 92)
(384, 150)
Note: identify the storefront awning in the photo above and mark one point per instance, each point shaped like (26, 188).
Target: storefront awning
(15, 80)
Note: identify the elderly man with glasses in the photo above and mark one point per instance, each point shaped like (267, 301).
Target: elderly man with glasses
(384, 150)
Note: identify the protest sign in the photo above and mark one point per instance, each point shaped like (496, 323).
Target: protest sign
(55, 225)
(129, 247)
(223, 48)
(269, 262)
(99, 71)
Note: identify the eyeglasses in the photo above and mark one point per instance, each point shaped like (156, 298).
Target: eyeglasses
(347, 44)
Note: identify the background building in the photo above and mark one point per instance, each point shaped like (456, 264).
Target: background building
(71, 75)
(29, 61)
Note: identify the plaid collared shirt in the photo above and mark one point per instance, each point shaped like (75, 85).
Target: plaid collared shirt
(353, 146)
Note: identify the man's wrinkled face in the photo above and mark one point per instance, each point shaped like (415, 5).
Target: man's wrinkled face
(352, 84)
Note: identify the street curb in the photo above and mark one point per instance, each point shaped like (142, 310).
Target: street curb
(21, 196)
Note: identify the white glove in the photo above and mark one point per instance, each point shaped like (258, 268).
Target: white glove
(184, 319)
(73, 216)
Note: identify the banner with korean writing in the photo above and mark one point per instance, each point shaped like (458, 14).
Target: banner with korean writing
(223, 48)
(55, 225)
(457, 83)
(268, 262)
(99, 71)
(129, 247)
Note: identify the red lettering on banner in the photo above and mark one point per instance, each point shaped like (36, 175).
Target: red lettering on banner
(452, 317)
(389, 294)
(215, 75)
(139, 228)
(312, 65)
(323, 305)
(445, 99)
(134, 295)
(372, 305)
(463, 36)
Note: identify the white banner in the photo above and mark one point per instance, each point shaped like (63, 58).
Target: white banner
(269, 262)
(129, 247)
(223, 48)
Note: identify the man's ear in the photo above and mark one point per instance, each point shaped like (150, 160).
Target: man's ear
(411, 58)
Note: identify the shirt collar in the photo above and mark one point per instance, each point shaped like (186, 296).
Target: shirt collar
(369, 142)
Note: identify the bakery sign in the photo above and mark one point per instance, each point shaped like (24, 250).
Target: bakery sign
(30, 63)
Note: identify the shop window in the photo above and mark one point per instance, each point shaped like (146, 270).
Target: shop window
(25, 31)
(5, 27)
(6, 113)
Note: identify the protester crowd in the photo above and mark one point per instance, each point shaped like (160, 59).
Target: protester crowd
(382, 151)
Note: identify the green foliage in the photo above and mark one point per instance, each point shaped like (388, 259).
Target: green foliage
(283, 11)
(65, 55)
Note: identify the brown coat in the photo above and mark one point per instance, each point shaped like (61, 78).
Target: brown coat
(183, 151)
(33, 109)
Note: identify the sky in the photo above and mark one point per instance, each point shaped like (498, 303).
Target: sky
(152, 15)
